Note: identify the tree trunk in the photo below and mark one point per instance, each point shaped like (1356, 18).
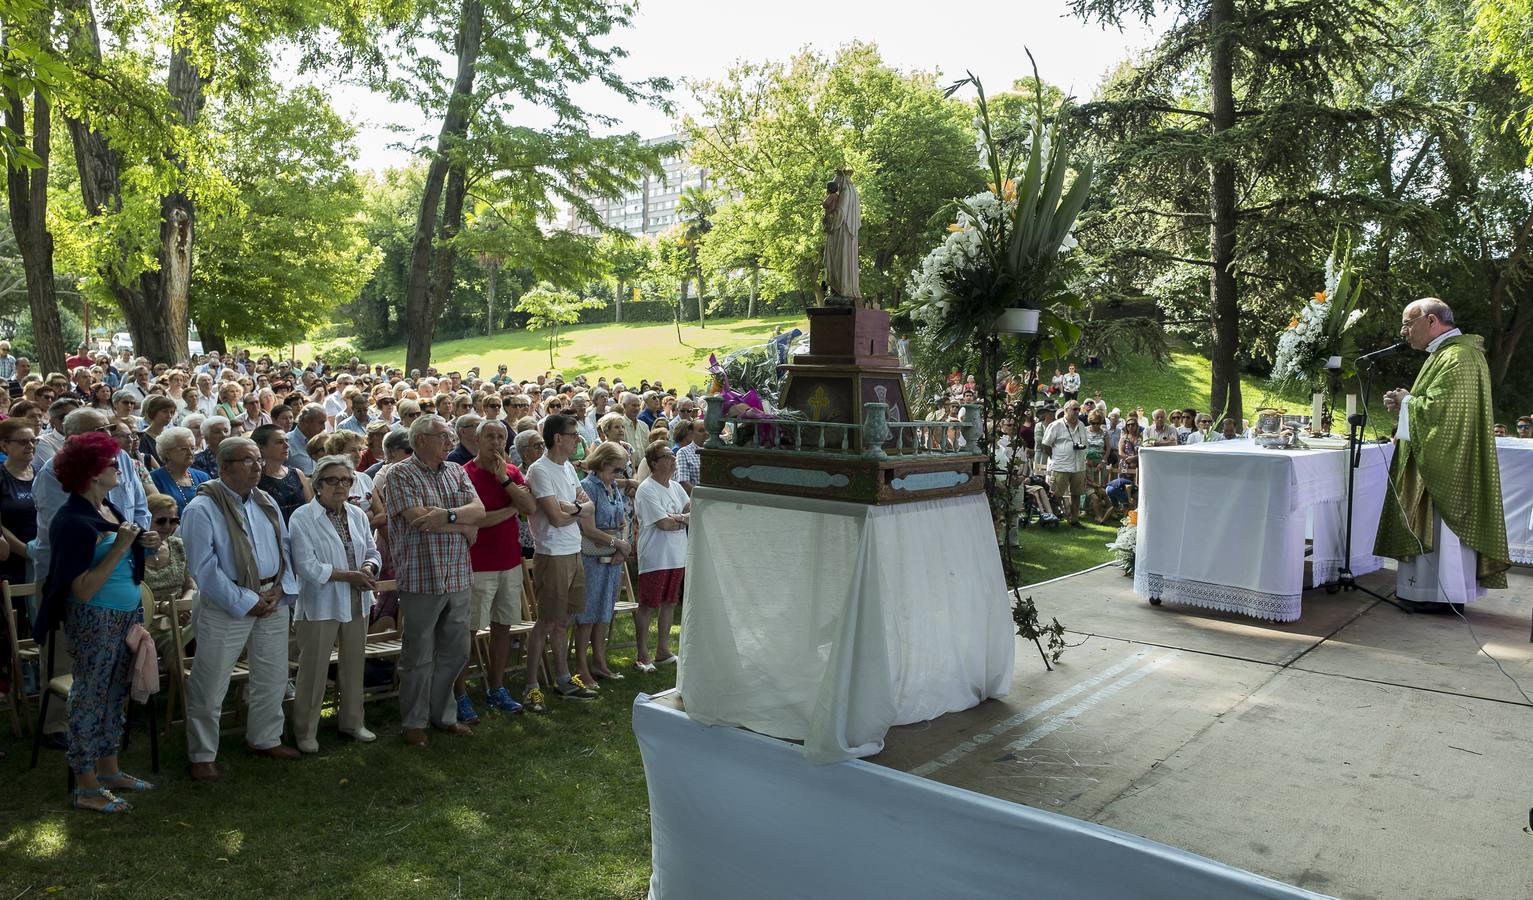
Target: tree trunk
(679, 304)
(750, 306)
(617, 302)
(431, 256)
(212, 338)
(27, 194)
(1505, 336)
(178, 217)
(1223, 302)
(489, 299)
(702, 300)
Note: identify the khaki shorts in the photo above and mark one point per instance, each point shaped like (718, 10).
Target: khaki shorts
(496, 598)
(561, 585)
(1071, 483)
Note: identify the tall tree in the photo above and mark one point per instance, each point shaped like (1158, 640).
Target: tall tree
(773, 133)
(28, 72)
(507, 54)
(695, 211)
(1242, 91)
(547, 307)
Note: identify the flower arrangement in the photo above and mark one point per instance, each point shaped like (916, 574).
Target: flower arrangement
(1008, 246)
(1125, 545)
(1321, 329)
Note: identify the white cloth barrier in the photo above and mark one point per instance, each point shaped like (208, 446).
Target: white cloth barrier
(1222, 525)
(830, 622)
(1516, 458)
(739, 815)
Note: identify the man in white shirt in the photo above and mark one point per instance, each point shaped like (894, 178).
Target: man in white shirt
(335, 402)
(1160, 434)
(1065, 442)
(52, 440)
(558, 576)
(663, 509)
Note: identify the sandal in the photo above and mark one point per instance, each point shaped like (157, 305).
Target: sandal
(645, 667)
(113, 804)
(608, 675)
(122, 781)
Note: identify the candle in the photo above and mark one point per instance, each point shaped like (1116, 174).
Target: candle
(1316, 411)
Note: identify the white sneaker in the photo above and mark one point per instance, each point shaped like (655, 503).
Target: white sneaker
(308, 745)
(361, 735)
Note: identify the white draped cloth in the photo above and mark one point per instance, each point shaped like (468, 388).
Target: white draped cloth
(829, 622)
(1516, 458)
(1222, 525)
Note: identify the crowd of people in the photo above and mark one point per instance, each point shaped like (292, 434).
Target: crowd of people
(279, 497)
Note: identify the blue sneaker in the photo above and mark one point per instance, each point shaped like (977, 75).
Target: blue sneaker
(500, 700)
(466, 714)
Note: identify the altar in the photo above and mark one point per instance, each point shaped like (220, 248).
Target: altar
(1516, 458)
(1223, 525)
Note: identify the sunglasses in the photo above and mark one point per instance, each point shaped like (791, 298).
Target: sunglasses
(338, 480)
(167, 520)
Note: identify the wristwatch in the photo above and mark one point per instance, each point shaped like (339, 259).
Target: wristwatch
(506, 482)
(452, 516)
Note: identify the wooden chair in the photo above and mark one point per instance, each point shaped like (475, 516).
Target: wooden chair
(22, 651)
(383, 644)
(181, 668)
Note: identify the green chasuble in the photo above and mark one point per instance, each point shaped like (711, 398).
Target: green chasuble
(1449, 464)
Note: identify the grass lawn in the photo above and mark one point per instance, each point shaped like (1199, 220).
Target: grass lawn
(1045, 553)
(644, 350)
(531, 806)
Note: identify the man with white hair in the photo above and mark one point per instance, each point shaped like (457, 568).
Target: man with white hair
(214, 430)
(310, 421)
(467, 427)
(242, 560)
(633, 429)
(52, 440)
(1443, 518)
(433, 513)
(651, 409)
(335, 401)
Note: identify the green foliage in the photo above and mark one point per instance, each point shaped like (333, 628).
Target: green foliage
(547, 307)
(1504, 28)
(773, 133)
(273, 263)
(338, 353)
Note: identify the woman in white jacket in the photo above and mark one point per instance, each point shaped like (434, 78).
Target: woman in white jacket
(336, 563)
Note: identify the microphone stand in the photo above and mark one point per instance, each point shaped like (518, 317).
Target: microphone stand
(1345, 580)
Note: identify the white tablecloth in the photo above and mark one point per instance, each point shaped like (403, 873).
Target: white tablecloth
(1223, 524)
(1516, 457)
(829, 622)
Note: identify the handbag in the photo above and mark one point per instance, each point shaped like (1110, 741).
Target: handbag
(589, 547)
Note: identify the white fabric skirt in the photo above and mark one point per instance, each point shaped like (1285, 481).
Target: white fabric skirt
(1446, 575)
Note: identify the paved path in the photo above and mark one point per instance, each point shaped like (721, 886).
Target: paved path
(1359, 752)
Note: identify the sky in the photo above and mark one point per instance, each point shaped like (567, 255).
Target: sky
(681, 39)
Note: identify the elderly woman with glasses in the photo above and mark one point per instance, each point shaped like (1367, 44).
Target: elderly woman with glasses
(177, 478)
(18, 509)
(337, 564)
(125, 406)
(165, 571)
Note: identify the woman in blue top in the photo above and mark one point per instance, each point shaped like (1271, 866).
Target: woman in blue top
(603, 549)
(175, 477)
(93, 587)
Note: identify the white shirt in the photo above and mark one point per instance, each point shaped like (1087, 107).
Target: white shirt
(547, 478)
(660, 550)
(335, 406)
(1062, 441)
(1071, 382)
(1403, 430)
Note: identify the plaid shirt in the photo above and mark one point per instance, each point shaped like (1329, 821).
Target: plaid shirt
(435, 563)
(689, 466)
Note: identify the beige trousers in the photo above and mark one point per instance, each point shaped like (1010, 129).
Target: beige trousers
(315, 639)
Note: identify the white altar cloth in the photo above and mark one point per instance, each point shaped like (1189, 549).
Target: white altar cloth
(1516, 458)
(1222, 524)
(742, 816)
(830, 622)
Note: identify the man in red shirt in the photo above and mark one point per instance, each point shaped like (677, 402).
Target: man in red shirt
(81, 358)
(496, 558)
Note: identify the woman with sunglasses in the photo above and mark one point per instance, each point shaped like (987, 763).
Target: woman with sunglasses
(165, 572)
(18, 511)
(336, 563)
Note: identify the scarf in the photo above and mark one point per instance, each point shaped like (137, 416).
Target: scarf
(246, 575)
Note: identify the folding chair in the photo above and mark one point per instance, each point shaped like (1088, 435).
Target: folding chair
(182, 668)
(22, 652)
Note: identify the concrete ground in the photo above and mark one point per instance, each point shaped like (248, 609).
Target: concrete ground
(1359, 752)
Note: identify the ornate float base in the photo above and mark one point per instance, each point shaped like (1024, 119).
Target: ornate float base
(848, 478)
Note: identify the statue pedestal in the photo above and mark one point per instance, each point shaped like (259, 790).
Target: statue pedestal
(848, 364)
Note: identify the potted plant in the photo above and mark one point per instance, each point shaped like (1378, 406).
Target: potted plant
(1006, 258)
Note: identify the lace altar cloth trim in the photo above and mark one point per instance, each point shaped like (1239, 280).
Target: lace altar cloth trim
(1257, 604)
(1522, 554)
(1326, 571)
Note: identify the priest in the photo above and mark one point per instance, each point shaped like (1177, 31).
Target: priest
(1442, 515)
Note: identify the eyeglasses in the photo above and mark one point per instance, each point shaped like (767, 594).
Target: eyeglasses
(112, 465)
(167, 520)
(338, 480)
(1406, 325)
(248, 460)
(32, 442)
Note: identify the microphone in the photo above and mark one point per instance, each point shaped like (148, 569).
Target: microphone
(1392, 348)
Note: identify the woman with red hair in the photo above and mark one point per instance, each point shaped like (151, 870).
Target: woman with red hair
(93, 588)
